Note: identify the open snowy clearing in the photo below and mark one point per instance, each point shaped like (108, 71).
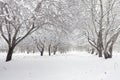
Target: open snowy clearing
(72, 66)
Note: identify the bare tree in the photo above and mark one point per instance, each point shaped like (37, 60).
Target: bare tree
(40, 44)
(13, 27)
(59, 17)
(103, 29)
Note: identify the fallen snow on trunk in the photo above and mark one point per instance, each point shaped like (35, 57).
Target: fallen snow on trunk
(69, 66)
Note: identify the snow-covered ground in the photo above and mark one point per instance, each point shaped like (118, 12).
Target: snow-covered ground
(69, 66)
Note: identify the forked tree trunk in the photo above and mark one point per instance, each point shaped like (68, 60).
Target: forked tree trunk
(9, 54)
(108, 54)
(111, 42)
(41, 50)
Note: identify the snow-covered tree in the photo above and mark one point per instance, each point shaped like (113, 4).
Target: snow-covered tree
(15, 27)
(103, 26)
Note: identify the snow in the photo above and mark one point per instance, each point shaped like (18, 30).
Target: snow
(69, 66)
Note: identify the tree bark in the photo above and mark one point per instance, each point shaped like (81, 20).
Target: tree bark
(108, 54)
(42, 51)
(100, 42)
(111, 50)
(100, 53)
(49, 50)
(9, 55)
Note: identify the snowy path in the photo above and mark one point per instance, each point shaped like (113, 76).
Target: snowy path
(69, 67)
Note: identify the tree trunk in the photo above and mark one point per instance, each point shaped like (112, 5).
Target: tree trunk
(49, 50)
(108, 54)
(100, 43)
(42, 51)
(111, 50)
(92, 51)
(100, 53)
(9, 55)
(55, 50)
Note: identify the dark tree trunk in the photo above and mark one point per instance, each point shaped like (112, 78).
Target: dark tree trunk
(111, 50)
(49, 50)
(100, 43)
(9, 55)
(42, 51)
(108, 54)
